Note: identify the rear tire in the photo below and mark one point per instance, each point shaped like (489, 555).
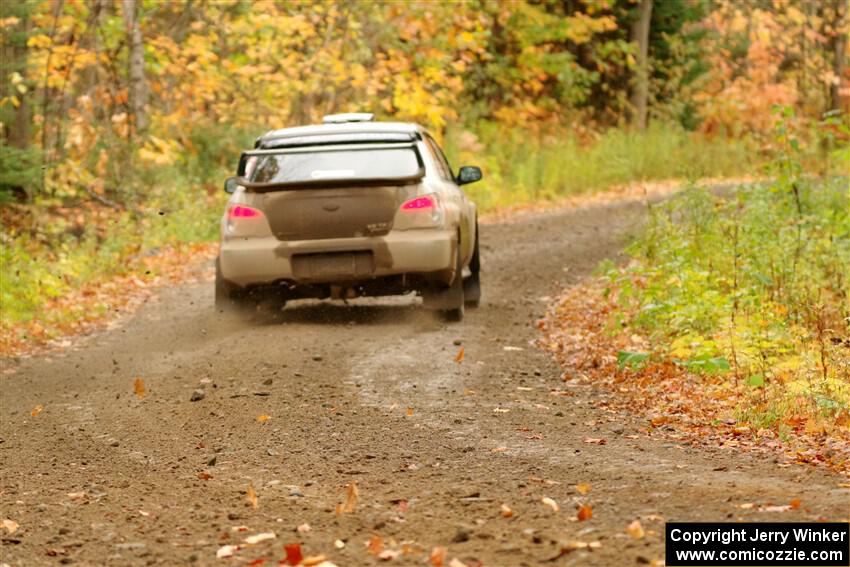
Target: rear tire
(449, 300)
(472, 284)
(454, 315)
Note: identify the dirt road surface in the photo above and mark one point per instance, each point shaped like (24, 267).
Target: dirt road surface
(368, 393)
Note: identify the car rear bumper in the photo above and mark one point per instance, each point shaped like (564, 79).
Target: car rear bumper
(258, 261)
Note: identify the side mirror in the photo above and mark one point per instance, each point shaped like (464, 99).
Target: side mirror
(230, 184)
(468, 174)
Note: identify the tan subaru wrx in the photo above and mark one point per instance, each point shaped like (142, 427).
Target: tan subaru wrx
(345, 209)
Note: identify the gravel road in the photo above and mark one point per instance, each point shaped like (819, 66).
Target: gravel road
(367, 393)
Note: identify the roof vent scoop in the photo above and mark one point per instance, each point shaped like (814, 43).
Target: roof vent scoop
(347, 117)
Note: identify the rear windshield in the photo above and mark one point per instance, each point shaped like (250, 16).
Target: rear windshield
(383, 163)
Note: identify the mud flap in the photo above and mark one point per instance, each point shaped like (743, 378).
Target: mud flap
(447, 299)
(440, 298)
(472, 291)
(472, 284)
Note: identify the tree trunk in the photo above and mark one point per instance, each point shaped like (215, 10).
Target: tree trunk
(138, 89)
(15, 117)
(640, 89)
(839, 46)
(13, 59)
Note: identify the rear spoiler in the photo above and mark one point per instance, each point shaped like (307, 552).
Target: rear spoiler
(270, 141)
(253, 187)
(265, 187)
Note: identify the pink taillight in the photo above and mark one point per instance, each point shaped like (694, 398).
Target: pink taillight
(425, 202)
(242, 212)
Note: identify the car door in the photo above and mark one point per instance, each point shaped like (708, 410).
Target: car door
(466, 222)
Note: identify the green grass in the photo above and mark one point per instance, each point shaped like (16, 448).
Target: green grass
(48, 261)
(165, 205)
(758, 280)
(523, 167)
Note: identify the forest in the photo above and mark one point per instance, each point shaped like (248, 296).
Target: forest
(119, 119)
(652, 325)
(99, 97)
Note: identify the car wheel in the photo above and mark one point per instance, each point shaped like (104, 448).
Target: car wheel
(448, 300)
(472, 284)
(455, 313)
(272, 301)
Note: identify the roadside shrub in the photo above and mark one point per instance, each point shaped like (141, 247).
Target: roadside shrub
(754, 283)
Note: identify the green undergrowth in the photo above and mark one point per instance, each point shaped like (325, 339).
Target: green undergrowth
(71, 239)
(523, 167)
(55, 254)
(752, 285)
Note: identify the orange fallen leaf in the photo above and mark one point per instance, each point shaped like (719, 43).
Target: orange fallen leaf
(438, 556)
(11, 526)
(375, 545)
(259, 538)
(795, 504)
(388, 554)
(204, 475)
(263, 418)
(551, 503)
(784, 508)
(459, 355)
(506, 511)
(227, 551)
(352, 495)
(139, 387)
(36, 410)
(569, 547)
(409, 412)
(251, 494)
(635, 530)
(585, 512)
(814, 427)
(293, 553)
(498, 449)
(583, 488)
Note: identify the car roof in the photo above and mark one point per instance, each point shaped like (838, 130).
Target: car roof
(346, 132)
